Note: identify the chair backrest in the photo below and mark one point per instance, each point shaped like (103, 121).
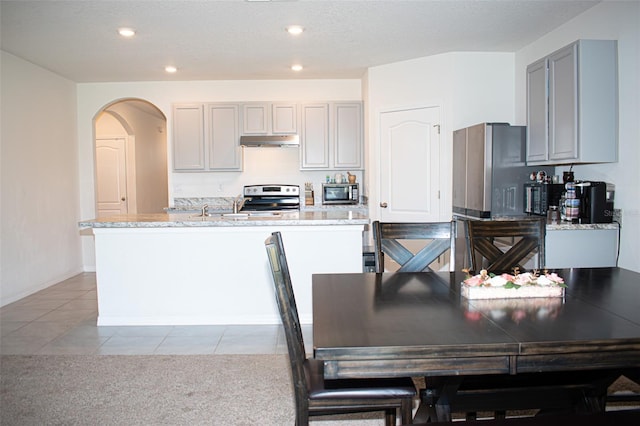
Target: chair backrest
(527, 237)
(289, 316)
(439, 237)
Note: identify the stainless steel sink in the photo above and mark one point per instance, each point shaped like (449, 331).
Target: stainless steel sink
(236, 215)
(240, 215)
(264, 214)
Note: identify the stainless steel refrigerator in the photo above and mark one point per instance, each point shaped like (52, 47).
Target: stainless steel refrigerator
(489, 170)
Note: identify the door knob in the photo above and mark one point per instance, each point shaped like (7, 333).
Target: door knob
(123, 199)
(383, 205)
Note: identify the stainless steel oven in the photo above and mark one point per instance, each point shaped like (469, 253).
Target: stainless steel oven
(271, 198)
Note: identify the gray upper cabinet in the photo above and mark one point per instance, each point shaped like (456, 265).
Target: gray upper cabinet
(206, 137)
(314, 147)
(331, 136)
(269, 118)
(223, 124)
(537, 112)
(347, 130)
(188, 137)
(572, 105)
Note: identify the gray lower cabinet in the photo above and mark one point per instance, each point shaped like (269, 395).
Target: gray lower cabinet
(581, 248)
(566, 246)
(206, 137)
(572, 105)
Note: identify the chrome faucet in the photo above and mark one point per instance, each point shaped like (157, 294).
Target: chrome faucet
(238, 203)
(205, 210)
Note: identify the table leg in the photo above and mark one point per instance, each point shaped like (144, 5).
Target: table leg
(435, 400)
(447, 394)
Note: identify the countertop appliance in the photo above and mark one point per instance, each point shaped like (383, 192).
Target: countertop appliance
(271, 198)
(489, 170)
(538, 197)
(340, 193)
(596, 201)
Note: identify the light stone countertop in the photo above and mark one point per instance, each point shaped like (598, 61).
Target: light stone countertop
(567, 226)
(559, 226)
(225, 208)
(176, 220)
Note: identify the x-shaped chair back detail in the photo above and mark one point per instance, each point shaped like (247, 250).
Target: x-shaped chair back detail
(387, 236)
(482, 234)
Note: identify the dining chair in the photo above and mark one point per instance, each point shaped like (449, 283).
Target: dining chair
(315, 396)
(393, 238)
(499, 246)
(489, 250)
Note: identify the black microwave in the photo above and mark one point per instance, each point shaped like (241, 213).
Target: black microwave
(538, 197)
(340, 193)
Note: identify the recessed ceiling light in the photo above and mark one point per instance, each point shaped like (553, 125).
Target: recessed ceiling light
(170, 69)
(296, 67)
(295, 29)
(126, 32)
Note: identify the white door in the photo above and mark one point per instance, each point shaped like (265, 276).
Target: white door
(111, 171)
(409, 165)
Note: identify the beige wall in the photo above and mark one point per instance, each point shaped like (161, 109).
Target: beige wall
(469, 88)
(40, 243)
(151, 176)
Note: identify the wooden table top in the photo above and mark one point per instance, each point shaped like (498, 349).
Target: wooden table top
(417, 323)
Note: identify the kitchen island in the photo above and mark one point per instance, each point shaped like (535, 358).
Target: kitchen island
(183, 269)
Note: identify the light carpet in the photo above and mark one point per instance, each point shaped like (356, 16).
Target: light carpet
(160, 390)
(152, 390)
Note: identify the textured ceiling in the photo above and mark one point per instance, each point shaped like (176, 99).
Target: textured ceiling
(238, 39)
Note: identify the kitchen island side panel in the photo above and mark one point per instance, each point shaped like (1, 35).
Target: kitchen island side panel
(213, 275)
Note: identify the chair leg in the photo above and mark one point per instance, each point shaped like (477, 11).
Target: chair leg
(406, 413)
(390, 417)
(302, 418)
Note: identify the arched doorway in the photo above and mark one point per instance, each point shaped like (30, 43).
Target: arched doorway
(130, 158)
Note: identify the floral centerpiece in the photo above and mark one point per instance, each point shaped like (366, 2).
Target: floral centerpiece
(504, 286)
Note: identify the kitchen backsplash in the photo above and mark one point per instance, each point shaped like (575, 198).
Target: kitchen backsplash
(276, 166)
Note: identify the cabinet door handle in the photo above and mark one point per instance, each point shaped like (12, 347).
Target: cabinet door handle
(123, 199)
(383, 205)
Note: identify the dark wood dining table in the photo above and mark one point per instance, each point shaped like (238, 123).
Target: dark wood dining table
(419, 324)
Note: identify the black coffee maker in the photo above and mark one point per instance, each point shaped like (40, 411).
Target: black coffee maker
(596, 201)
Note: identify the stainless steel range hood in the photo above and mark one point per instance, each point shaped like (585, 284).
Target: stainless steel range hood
(270, 140)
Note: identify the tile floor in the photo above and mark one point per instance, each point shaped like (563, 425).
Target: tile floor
(61, 319)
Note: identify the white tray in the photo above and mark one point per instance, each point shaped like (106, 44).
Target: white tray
(525, 291)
